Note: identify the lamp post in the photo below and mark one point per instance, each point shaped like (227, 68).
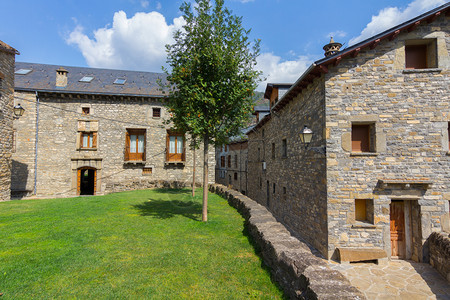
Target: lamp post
(18, 110)
(306, 136)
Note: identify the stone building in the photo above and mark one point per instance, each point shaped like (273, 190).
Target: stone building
(95, 131)
(231, 165)
(7, 58)
(374, 181)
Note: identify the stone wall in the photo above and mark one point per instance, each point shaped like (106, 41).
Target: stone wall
(59, 155)
(440, 253)
(7, 60)
(409, 112)
(293, 185)
(234, 175)
(298, 272)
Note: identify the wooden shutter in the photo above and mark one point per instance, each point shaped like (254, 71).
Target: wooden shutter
(416, 56)
(95, 182)
(94, 140)
(79, 137)
(78, 181)
(145, 145)
(127, 146)
(360, 138)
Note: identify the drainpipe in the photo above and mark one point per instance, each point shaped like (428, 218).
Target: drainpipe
(36, 143)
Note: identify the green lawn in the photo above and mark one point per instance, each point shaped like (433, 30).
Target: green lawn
(140, 244)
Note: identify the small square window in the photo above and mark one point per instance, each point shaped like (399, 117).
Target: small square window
(363, 138)
(147, 171)
(420, 54)
(156, 112)
(364, 210)
(85, 110)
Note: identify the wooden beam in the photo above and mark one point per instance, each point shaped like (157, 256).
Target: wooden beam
(433, 17)
(413, 26)
(355, 52)
(394, 35)
(374, 44)
(338, 60)
(323, 69)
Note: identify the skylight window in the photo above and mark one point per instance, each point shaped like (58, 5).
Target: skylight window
(120, 81)
(22, 71)
(86, 79)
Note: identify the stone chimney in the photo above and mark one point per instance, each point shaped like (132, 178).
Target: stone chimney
(332, 48)
(61, 77)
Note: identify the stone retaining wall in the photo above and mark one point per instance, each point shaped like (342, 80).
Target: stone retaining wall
(440, 253)
(300, 274)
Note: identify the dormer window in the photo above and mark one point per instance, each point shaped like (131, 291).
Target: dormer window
(120, 81)
(22, 71)
(86, 79)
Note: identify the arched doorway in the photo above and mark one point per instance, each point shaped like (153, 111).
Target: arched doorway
(87, 181)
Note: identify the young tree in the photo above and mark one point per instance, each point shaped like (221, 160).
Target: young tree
(212, 76)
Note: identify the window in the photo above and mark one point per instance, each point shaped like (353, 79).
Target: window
(22, 71)
(88, 140)
(420, 54)
(259, 154)
(284, 148)
(235, 176)
(147, 171)
(135, 145)
(284, 190)
(364, 210)
(85, 110)
(120, 81)
(260, 183)
(222, 161)
(226, 148)
(273, 150)
(448, 131)
(86, 79)
(363, 137)
(273, 188)
(235, 161)
(175, 147)
(229, 161)
(156, 112)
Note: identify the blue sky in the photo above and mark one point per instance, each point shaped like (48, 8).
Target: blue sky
(131, 34)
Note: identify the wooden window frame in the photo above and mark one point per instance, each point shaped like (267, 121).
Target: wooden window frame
(82, 134)
(229, 161)
(235, 176)
(222, 161)
(284, 148)
(176, 156)
(135, 156)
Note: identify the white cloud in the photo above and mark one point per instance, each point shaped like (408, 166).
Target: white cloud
(144, 4)
(277, 71)
(136, 43)
(392, 16)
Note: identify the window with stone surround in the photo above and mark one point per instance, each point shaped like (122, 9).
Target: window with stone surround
(229, 161)
(175, 146)
(235, 161)
(88, 140)
(364, 210)
(85, 110)
(273, 191)
(156, 112)
(420, 54)
(87, 135)
(235, 176)
(363, 138)
(135, 141)
(284, 148)
(147, 171)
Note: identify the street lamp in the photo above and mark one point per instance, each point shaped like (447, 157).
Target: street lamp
(18, 110)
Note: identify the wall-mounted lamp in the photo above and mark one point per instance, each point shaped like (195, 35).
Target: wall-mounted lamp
(18, 110)
(306, 136)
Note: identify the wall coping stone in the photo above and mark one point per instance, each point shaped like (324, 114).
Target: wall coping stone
(300, 273)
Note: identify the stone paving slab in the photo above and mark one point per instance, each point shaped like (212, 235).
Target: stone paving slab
(398, 279)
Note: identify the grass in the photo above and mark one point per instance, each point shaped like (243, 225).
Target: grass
(130, 245)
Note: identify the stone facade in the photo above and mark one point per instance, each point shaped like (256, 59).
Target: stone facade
(316, 190)
(58, 119)
(7, 59)
(231, 166)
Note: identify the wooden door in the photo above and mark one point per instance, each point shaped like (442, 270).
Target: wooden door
(398, 243)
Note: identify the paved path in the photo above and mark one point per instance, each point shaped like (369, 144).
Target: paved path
(399, 279)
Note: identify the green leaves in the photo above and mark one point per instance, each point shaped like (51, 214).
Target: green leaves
(212, 66)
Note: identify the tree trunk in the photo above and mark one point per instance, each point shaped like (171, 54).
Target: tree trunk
(205, 178)
(193, 176)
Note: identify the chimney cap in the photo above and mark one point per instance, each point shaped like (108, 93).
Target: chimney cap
(332, 47)
(61, 69)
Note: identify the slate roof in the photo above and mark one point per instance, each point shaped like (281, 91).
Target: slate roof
(43, 78)
(7, 48)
